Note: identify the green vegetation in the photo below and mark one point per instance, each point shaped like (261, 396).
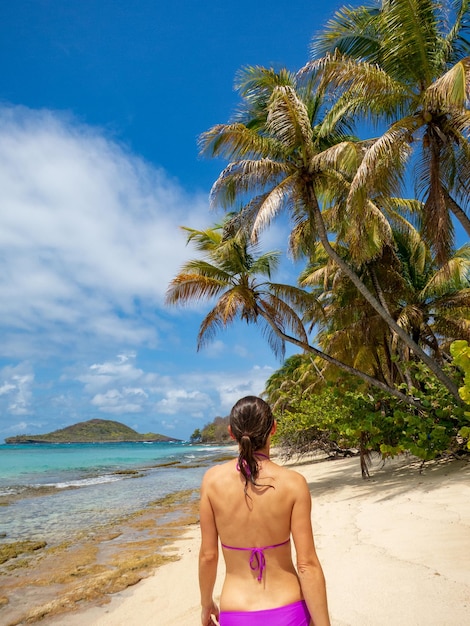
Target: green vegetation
(213, 432)
(460, 350)
(343, 419)
(383, 290)
(92, 431)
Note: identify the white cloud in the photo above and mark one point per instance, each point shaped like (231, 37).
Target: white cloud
(119, 402)
(120, 372)
(17, 428)
(6, 388)
(180, 401)
(234, 386)
(119, 386)
(16, 389)
(208, 394)
(215, 348)
(89, 234)
(241, 351)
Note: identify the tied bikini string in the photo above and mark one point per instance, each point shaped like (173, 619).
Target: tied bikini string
(258, 562)
(257, 558)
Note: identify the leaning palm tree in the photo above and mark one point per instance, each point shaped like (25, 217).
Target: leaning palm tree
(279, 160)
(236, 278)
(406, 64)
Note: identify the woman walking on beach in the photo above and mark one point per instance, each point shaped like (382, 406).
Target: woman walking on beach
(254, 506)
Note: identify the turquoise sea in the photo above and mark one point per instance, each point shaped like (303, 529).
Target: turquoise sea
(49, 492)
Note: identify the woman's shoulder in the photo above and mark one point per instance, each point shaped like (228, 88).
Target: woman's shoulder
(217, 471)
(291, 477)
(289, 471)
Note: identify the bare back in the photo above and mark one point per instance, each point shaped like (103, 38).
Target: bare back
(261, 518)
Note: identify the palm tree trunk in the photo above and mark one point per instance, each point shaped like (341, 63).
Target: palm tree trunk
(458, 212)
(366, 294)
(365, 455)
(347, 368)
(381, 297)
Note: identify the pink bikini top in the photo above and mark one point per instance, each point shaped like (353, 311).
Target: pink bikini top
(257, 558)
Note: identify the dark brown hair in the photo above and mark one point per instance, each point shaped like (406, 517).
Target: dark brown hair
(251, 422)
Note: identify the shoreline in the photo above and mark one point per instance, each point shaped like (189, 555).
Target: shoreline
(393, 549)
(93, 565)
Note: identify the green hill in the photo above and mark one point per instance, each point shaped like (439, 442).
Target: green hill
(91, 431)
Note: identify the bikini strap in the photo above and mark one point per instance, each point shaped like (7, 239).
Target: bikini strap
(257, 558)
(247, 469)
(264, 456)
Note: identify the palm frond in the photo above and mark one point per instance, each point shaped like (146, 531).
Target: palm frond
(345, 157)
(351, 31)
(273, 202)
(266, 264)
(236, 141)
(301, 238)
(295, 297)
(369, 231)
(410, 317)
(288, 121)
(210, 325)
(186, 288)
(453, 276)
(244, 177)
(357, 77)
(382, 166)
(411, 36)
(456, 44)
(256, 83)
(205, 240)
(283, 316)
(452, 89)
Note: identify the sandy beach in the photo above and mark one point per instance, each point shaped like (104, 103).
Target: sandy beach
(394, 550)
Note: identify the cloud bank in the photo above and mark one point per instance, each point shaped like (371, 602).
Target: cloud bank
(88, 233)
(89, 240)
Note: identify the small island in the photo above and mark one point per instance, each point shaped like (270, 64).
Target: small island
(92, 431)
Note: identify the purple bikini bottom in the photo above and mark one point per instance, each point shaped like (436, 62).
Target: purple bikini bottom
(295, 614)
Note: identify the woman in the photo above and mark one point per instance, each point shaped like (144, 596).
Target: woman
(253, 506)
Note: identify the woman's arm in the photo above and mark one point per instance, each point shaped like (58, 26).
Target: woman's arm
(309, 569)
(208, 557)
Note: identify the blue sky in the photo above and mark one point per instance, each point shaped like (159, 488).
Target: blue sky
(101, 104)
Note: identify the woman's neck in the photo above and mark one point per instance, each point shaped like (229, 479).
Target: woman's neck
(264, 454)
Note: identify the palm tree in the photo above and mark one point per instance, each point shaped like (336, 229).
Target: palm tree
(406, 63)
(279, 160)
(431, 302)
(349, 329)
(233, 273)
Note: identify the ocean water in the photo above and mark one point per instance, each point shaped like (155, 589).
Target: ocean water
(49, 492)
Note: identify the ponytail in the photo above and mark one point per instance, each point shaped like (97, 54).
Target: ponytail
(247, 462)
(251, 422)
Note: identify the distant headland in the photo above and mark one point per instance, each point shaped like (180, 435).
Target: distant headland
(92, 431)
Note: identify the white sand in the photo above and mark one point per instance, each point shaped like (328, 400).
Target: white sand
(395, 551)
